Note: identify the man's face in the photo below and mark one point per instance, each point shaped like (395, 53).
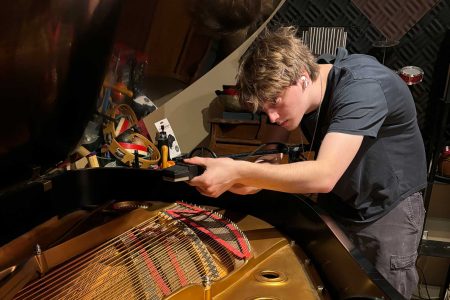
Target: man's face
(289, 107)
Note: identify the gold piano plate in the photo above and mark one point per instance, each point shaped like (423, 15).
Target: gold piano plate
(179, 251)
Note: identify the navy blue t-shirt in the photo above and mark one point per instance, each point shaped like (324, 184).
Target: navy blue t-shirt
(364, 97)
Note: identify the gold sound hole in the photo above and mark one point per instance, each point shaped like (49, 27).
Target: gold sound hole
(270, 276)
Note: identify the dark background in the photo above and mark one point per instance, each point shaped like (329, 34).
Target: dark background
(421, 28)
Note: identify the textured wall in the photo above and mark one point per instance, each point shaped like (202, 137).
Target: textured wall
(394, 18)
(419, 41)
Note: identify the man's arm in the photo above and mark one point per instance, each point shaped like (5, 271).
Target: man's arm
(318, 176)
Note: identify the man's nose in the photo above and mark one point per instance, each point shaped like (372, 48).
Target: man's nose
(273, 116)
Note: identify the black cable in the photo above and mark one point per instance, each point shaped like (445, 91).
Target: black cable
(202, 149)
(282, 148)
(266, 144)
(424, 281)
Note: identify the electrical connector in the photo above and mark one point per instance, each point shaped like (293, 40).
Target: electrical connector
(181, 172)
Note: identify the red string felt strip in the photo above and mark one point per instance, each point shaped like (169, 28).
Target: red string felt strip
(176, 265)
(240, 239)
(193, 224)
(151, 266)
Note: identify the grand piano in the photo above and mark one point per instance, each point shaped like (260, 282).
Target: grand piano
(124, 232)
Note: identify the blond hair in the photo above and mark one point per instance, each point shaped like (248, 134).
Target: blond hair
(274, 61)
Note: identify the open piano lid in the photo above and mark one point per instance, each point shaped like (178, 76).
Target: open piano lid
(53, 56)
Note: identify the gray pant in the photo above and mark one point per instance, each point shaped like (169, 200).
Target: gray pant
(391, 243)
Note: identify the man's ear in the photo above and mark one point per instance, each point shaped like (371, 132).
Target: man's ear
(304, 81)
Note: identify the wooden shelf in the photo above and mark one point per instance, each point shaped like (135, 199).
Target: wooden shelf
(434, 248)
(437, 241)
(438, 229)
(441, 179)
(232, 136)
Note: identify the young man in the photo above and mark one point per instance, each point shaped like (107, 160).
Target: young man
(370, 166)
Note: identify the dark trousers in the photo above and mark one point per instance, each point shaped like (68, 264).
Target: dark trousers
(391, 243)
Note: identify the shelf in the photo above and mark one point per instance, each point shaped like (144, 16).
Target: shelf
(226, 140)
(438, 229)
(437, 242)
(434, 248)
(441, 179)
(233, 136)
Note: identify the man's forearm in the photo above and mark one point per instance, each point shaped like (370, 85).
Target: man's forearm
(299, 177)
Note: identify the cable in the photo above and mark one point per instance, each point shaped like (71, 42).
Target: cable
(424, 281)
(202, 149)
(295, 153)
(269, 143)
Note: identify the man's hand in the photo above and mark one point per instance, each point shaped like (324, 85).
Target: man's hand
(219, 176)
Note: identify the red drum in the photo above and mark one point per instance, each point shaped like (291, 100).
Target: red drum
(411, 74)
(444, 162)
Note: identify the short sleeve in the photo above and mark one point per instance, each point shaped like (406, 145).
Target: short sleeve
(358, 107)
